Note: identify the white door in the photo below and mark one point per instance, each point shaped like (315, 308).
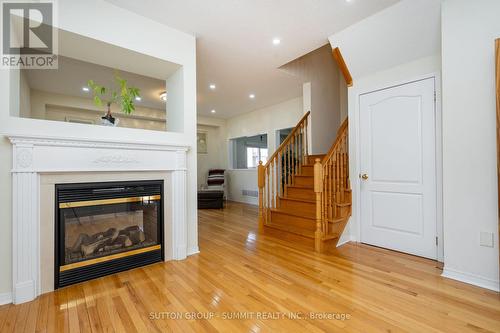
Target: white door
(398, 168)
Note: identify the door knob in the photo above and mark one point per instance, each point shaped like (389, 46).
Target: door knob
(364, 176)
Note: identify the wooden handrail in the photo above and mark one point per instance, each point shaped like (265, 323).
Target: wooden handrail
(288, 138)
(342, 128)
(280, 170)
(337, 55)
(335, 202)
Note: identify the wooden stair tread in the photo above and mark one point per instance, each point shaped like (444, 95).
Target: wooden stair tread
(293, 196)
(296, 214)
(292, 229)
(308, 187)
(337, 219)
(298, 199)
(329, 237)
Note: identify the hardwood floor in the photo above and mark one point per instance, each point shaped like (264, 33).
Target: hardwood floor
(241, 272)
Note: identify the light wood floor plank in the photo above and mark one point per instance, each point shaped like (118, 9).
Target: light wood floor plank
(242, 271)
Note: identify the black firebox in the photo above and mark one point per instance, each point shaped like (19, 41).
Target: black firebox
(108, 227)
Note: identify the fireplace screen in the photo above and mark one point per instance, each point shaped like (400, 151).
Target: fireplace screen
(103, 225)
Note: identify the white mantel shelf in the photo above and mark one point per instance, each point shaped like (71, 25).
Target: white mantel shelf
(35, 155)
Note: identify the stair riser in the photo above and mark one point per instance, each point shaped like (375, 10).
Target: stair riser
(301, 193)
(344, 211)
(307, 170)
(338, 211)
(283, 219)
(298, 206)
(290, 237)
(312, 159)
(304, 181)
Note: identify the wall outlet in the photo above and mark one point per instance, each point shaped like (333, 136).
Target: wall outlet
(486, 239)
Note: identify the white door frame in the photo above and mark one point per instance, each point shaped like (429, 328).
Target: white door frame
(354, 139)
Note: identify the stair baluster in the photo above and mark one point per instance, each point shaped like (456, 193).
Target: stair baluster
(304, 195)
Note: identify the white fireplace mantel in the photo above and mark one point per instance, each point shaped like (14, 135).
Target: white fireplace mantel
(35, 155)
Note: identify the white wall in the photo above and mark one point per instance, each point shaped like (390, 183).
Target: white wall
(216, 157)
(263, 121)
(51, 106)
(469, 139)
(407, 50)
(383, 79)
(115, 26)
(175, 87)
(403, 32)
(323, 95)
(24, 96)
(387, 48)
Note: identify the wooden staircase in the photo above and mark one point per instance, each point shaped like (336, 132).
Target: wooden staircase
(307, 196)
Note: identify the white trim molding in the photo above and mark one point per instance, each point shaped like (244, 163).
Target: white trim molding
(5, 298)
(469, 278)
(35, 155)
(385, 80)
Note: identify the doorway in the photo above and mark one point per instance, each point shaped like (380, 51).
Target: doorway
(398, 168)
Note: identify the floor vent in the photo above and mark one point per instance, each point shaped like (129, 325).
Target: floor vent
(250, 193)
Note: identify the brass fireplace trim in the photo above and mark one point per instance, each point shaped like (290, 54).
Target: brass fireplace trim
(108, 258)
(107, 201)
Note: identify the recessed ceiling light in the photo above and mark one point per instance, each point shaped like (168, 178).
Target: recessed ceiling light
(276, 41)
(138, 98)
(86, 89)
(252, 96)
(163, 96)
(212, 86)
(213, 111)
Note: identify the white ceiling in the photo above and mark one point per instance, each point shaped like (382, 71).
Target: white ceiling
(234, 43)
(410, 41)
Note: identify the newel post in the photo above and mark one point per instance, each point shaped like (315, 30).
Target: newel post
(261, 182)
(318, 190)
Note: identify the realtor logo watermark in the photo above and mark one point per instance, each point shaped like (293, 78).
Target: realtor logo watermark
(29, 39)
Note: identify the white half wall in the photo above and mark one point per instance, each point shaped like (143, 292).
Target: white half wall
(469, 140)
(262, 121)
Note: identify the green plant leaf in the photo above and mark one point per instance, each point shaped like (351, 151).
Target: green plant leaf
(124, 95)
(97, 100)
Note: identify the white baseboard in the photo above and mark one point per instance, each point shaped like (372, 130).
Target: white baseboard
(193, 250)
(469, 278)
(246, 200)
(5, 298)
(344, 241)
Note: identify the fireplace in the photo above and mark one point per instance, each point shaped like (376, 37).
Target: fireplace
(104, 228)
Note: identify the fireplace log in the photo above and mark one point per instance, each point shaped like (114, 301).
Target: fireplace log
(135, 234)
(94, 247)
(123, 240)
(112, 233)
(82, 239)
(112, 247)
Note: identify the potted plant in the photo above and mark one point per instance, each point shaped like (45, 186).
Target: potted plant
(122, 95)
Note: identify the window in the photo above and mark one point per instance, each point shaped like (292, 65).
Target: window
(248, 151)
(254, 155)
